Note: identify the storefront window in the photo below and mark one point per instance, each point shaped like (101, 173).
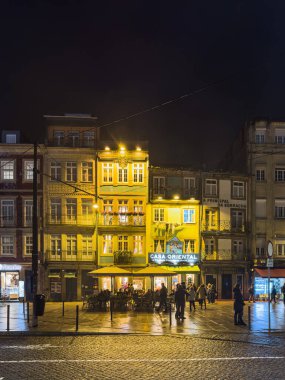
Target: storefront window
(158, 281)
(10, 285)
(106, 283)
(138, 284)
(176, 280)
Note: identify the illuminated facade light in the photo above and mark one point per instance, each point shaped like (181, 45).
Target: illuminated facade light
(176, 197)
(107, 148)
(138, 148)
(122, 148)
(96, 206)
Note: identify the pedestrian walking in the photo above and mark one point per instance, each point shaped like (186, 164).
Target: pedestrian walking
(202, 294)
(283, 292)
(238, 306)
(251, 293)
(180, 299)
(163, 297)
(191, 297)
(209, 291)
(273, 294)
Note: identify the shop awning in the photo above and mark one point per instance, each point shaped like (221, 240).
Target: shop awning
(274, 272)
(184, 269)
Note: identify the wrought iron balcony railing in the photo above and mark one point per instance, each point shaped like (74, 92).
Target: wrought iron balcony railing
(64, 255)
(223, 226)
(223, 254)
(84, 220)
(128, 219)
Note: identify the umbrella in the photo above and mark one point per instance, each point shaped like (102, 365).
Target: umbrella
(110, 271)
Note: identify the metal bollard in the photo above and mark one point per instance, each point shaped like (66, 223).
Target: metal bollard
(170, 314)
(8, 317)
(28, 312)
(63, 308)
(111, 309)
(77, 317)
(249, 316)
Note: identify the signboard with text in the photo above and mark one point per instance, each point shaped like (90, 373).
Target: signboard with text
(173, 258)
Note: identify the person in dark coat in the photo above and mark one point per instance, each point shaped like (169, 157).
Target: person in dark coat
(180, 299)
(163, 297)
(238, 306)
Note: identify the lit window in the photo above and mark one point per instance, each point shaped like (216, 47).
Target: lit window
(159, 214)
(138, 244)
(55, 245)
(188, 216)
(107, 244)
(7, 170)
(11, 138)
(55, 171)
(107, 173)
(108, 212)
(122, 174)
(71, 209)
(238, 189)
(7, 245)
(138, 212)
(211, 187)
(28, 245)
(189, 246)
(28, 170)
(55, 210)
(87, 209)
(7, 212)
(123, 212)
(123, 243)
(71, 171)
(71, 245)
(87, 171)
(87, 245)
(280, 248)
(209, 246)
(138, 173)
(28, 212)
(159, 245)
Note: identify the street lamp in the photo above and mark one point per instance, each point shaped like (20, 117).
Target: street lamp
(96, 208)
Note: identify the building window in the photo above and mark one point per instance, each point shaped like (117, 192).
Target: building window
(7, 170)
(159, 214)
(87, 171)
(108, 212)
(123, 243)
(210, 219)
(28, 170)
(55, 171)
(138, 212)
(280, 175)
(71, 171)
(55, 245)
(260, 175)
(88, 138)
(188, 215)
(209, 246)
(279, 136)
(260, 247)
(279, 209)
(123, 212)
(28, 212)
(7, 212)
(86, 205)
(280, 248)
(189, 246)
(158, 245)
(71, 209)
(158, 184)
(189, 186)
(260, 208)
(260, 137)
(58, 137)
(138, 173)
(237, 247)
(107, 244)
(211, 187)
(87, 245)
(237, 220)
(71, 245)
(122, 174)
(238, 189)
(7, 245)
(138, 244)
(11, 138)
(55, 210)
(108, 173)
(28, 245)
(73, 138)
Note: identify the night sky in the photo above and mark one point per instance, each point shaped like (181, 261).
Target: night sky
(116, 58)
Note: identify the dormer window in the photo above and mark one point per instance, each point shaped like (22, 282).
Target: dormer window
(11, 138)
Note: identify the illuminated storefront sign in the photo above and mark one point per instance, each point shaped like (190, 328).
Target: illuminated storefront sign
(9, 267)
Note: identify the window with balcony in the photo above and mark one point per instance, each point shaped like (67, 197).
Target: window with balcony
(260, 174)
(260, 247)
(237, 247)
(210, 219)
(280, 248)
(73, 138)
(189, 246)
(280, 174)
(89, 138)
(55, 171)
(71, 209)
(123, 243)
(55, 245)
(87, 245)
(7, 245)
(237, 220)
(189, 216)
(71, 172)
(71, 245)
(87, 209)
(138, 173)
(209, 246)
(159, 214)
(279, 208)
(159, 245)
(58, 138)
(138, 244)
(238, 189)
(8, 212)
(28, 245)
(189, 186)
(107, 244)
(123, 212)
(7, 170)
(138, 212)
(108, 212)
(28, 170)
(158, 186)
(28, 212)
(122, 174)
(55, 210)
(260, 136)
(87, 172)
(211, 187)
(107, 173)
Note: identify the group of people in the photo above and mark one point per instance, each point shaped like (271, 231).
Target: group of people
(183, 294)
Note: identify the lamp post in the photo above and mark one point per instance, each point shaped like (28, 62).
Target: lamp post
(96, 208)
(35, 239)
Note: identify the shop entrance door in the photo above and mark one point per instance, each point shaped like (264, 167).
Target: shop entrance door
(227, 290)
(71, 289)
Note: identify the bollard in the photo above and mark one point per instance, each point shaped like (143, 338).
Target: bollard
(249, 316)
(111, 309)
(77, 317)
(170, 314)
(63, 308)
(8, 317)
(28, 312)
